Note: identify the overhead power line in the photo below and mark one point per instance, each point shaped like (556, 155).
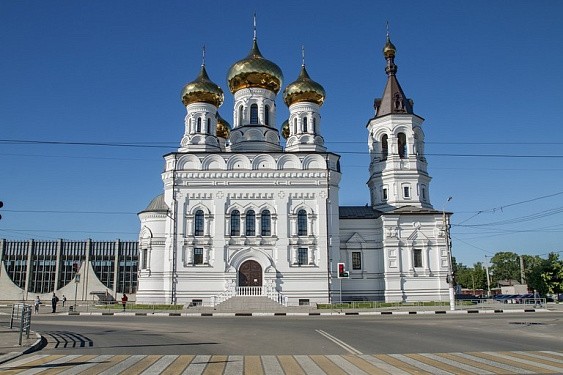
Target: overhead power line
(169, 145)
(501, 208)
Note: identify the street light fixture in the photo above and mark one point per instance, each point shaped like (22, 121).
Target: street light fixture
(450, 277)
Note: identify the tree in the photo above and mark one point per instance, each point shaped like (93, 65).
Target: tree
(470, 277)
(553, 274)
(505, 265)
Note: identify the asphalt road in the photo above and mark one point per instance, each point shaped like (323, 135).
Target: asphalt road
(97, 335)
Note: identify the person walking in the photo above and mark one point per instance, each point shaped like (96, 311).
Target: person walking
(537, 300)
(36, 304)
(54, 301)
(124, 300)
(64, 300)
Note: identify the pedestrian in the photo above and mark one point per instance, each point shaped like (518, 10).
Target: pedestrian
(36, 304)
(54, 301)
(537, 300)
(124, 300)
(64, 300)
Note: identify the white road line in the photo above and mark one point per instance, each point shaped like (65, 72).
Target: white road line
(20, 362)
(197, 365)
(271, 365)
(77, 369)
(525, 361)
(235, 365)
(420, 365)
(123, 365)
(345, 365)
(307, 364)
(554, 353)
(460, 365)
(339, 342)
(383, 365)
(159, 366)
(49, 365)
(512, 369)
(546, 358)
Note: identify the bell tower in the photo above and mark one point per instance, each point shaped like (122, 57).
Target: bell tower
(398, 168)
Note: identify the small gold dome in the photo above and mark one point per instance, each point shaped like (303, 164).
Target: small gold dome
(304, 89)
(285, 129)
(223, 127)
(255, 71)
(389, 49)
(202, 90)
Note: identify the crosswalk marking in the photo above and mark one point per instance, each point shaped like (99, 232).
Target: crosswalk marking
(85, 362)
(483, 368)
(197, 365)
(160, 365)
(531, 364)
(477, 357)
(435, 362)
(420, 365)
(514, 362)
(235, 365)
(458, 366)
(543, 359)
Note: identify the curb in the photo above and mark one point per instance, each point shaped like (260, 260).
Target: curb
(38, 344)
(332, 313)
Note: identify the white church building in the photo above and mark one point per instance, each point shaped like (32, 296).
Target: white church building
(243, 215)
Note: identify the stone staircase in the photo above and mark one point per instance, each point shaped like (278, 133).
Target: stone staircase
(249, 304)
(254, 304)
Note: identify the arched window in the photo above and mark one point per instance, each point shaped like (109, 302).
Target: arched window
(254, 114)
(199, 221)
(266, 223)
(198, 129)
(267, 115)
(250, 223)
(240, 115)
(208, 126)
(235, 223)
(402, 142)
(294, 126)
(304, 124)
(302, 223)
(384, 147)
(314, 125)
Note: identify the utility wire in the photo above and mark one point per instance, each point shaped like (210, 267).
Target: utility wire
(166, 145)
(501, 208)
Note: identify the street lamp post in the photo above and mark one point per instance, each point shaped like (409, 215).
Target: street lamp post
(450, 277)
(76, 281)
(488, 277)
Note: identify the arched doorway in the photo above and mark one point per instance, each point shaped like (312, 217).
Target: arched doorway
(250, 274)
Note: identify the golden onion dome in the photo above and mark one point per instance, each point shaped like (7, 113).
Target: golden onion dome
(389, 49)
(223, 127)
(304, 89)
(202, 90)
(285, 129)
(254, 71)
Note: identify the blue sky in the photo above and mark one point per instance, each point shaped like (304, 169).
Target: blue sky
(486, 76)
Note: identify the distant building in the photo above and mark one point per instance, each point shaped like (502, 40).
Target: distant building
(41, 268)
(241, 214)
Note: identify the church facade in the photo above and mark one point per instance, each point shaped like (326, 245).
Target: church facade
(242, 214)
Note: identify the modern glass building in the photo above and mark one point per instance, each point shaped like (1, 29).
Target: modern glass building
(84, 269)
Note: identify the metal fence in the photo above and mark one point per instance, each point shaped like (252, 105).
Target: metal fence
(21, 319)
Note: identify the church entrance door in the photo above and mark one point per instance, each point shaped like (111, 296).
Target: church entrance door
(250, 274)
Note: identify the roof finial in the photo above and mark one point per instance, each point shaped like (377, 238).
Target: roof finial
(203, 56)
(254, 25)
(387, 29)
(302, 55)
